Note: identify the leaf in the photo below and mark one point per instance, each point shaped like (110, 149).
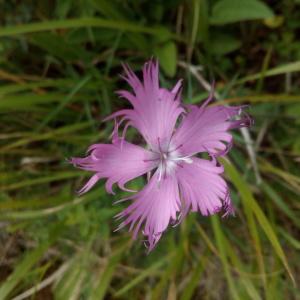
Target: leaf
(71, 282)
(223, 44)
(292, 240)
(219, 237)
(144, 274)
(242, 270)
(107, 274)
(78, 23)
(63, 103)
(111, 10)
(62, 8)
(278, 201)
(293, 110)
(61, 131)
(28, 86)
(196, 274)
(167, 55)
(30, 259)
(230, 11)
(266, 226)
(41, 180)
(283, 69)
(41, 213)
(24, 101)
(58, 46)
(274, 22)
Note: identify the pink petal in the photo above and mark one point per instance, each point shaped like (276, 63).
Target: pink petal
(206, 129)
(154, 207)
(119, 162)
(155, 110)
(202, 188)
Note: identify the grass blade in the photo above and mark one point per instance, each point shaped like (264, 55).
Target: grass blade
(78, 23)
(247, 196)
(30, 259)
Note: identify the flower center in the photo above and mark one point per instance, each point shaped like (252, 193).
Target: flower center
(169, 159)
(164, 156)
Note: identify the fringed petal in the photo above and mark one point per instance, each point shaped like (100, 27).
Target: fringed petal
(206, 129)
(155, 110)
(203, 189)
(154, 207)
(119, 162)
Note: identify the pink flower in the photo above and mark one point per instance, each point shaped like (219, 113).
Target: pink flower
(178, 180)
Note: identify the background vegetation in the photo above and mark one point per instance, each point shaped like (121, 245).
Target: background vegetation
(59, 66)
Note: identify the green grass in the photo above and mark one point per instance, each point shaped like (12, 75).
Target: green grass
(59, 67)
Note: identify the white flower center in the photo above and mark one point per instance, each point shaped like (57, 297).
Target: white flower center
(169, 160)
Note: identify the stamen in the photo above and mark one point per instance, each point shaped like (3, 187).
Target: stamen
(186, 159)
(175, 148)
(168, 160)
(160, 172)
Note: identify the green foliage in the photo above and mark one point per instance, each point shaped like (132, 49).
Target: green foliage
(230, 11)
(59, 66)
(167, 55)
(222, 44)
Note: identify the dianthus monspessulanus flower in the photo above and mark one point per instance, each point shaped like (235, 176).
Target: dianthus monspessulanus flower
(179, 180)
